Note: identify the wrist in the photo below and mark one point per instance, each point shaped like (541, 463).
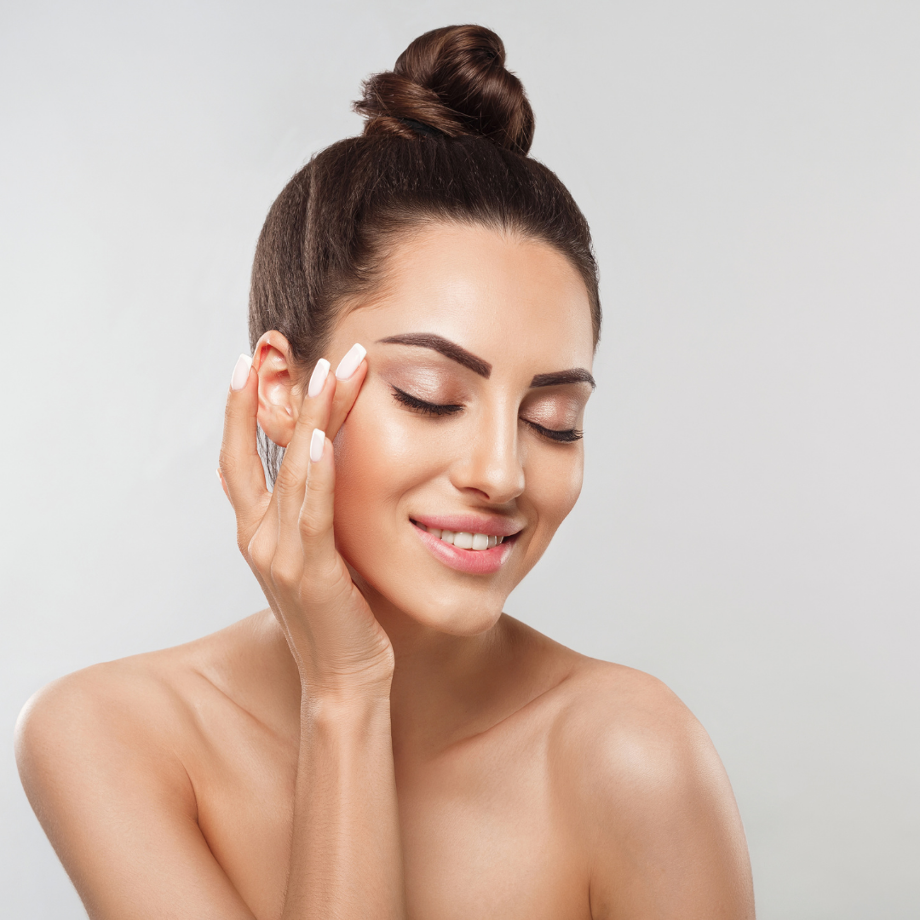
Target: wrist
(343, 696)
(344, 713)
(370, 681)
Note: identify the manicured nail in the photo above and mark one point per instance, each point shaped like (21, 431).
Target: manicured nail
(317, 442)
(318, 378)
(349, 364)
(240, 372)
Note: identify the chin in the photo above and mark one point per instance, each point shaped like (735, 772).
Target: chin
(456, 616)
(434, 603)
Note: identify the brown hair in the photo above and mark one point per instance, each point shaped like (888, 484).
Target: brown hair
(445, 140)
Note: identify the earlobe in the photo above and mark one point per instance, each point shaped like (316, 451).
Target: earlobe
(278, 387)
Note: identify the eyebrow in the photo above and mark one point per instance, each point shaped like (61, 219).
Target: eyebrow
(445, 347)
(477, 365)
(575, 375)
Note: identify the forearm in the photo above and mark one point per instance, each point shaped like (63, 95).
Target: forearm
(346, 857)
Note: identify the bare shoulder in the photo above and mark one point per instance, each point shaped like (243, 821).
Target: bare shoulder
(627, 717)
(647, 792)
(98, 714)
(142, 709)
(107, 758)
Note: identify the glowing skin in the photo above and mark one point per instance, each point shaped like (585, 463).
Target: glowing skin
(522, 309)
(385, 742)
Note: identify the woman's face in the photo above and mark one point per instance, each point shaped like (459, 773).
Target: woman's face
(479, 358)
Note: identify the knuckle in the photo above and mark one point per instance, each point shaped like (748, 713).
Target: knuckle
(316, 512)
(284, 574)
(318, 492)
(310, 524)
(315, 521)
(259, 553)
(287, 481)
(226, 463)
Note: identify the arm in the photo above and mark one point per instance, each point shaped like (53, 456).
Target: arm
(102, 760)
(346, 856)
(99, 753)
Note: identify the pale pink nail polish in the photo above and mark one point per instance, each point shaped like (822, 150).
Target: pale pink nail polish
(349, 364)
(317, 442)
(240, 372)
(318, 378)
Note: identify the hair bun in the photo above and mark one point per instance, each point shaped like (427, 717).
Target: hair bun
(454, 80)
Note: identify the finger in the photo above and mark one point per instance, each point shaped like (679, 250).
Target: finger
(322, 584)
(240, 466)
(290, 483)
(316, 515)
(350, 374)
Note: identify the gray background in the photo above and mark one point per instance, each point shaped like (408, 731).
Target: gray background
(748, 530)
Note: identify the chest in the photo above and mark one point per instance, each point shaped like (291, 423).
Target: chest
(482, 831)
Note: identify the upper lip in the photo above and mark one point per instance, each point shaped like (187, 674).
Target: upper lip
(491, 525)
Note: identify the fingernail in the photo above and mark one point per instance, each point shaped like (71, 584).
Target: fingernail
(240, 372)
(318, 378)
(349, 364)
(221, 478)
(317, 442)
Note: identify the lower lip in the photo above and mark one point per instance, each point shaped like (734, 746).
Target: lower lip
(471, 561)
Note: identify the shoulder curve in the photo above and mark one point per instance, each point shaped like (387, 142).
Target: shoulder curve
(148, 702)
(603, 693)
(99, 712)
(645, 787)
(137, 684)
(101, 756)
(626, 734)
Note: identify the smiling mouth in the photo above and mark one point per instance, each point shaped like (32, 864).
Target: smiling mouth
(463, 540)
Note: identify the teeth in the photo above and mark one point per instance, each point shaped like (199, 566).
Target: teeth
(462, 540)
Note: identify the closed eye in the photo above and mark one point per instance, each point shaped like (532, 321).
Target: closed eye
(438, 409)
(426, 408)
(556, 434)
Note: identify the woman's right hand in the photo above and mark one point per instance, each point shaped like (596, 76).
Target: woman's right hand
(287, 535)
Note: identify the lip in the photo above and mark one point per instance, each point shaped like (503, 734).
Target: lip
(471, 561)
(492, 525)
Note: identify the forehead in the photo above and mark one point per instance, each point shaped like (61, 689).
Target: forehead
(505, 298)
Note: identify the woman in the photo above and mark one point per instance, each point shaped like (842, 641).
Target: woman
(383, 741)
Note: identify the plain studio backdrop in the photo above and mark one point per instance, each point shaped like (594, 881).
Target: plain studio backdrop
(748, 530)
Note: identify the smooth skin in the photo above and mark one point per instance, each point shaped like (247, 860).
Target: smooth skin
(383, 741)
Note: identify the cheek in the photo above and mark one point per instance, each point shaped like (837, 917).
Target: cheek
(380, 459)
(376, 462)
(554, 482)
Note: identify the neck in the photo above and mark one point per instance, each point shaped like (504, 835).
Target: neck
(444, 685)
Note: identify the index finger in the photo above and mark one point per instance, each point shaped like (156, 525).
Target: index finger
(349, 374)
(240, 465)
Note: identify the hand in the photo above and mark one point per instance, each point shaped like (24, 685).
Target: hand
(287, 538)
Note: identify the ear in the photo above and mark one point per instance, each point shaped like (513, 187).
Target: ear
(279, 387)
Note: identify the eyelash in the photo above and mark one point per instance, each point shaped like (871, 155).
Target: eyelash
(436, 410)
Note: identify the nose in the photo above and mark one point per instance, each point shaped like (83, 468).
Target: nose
(491, 463)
